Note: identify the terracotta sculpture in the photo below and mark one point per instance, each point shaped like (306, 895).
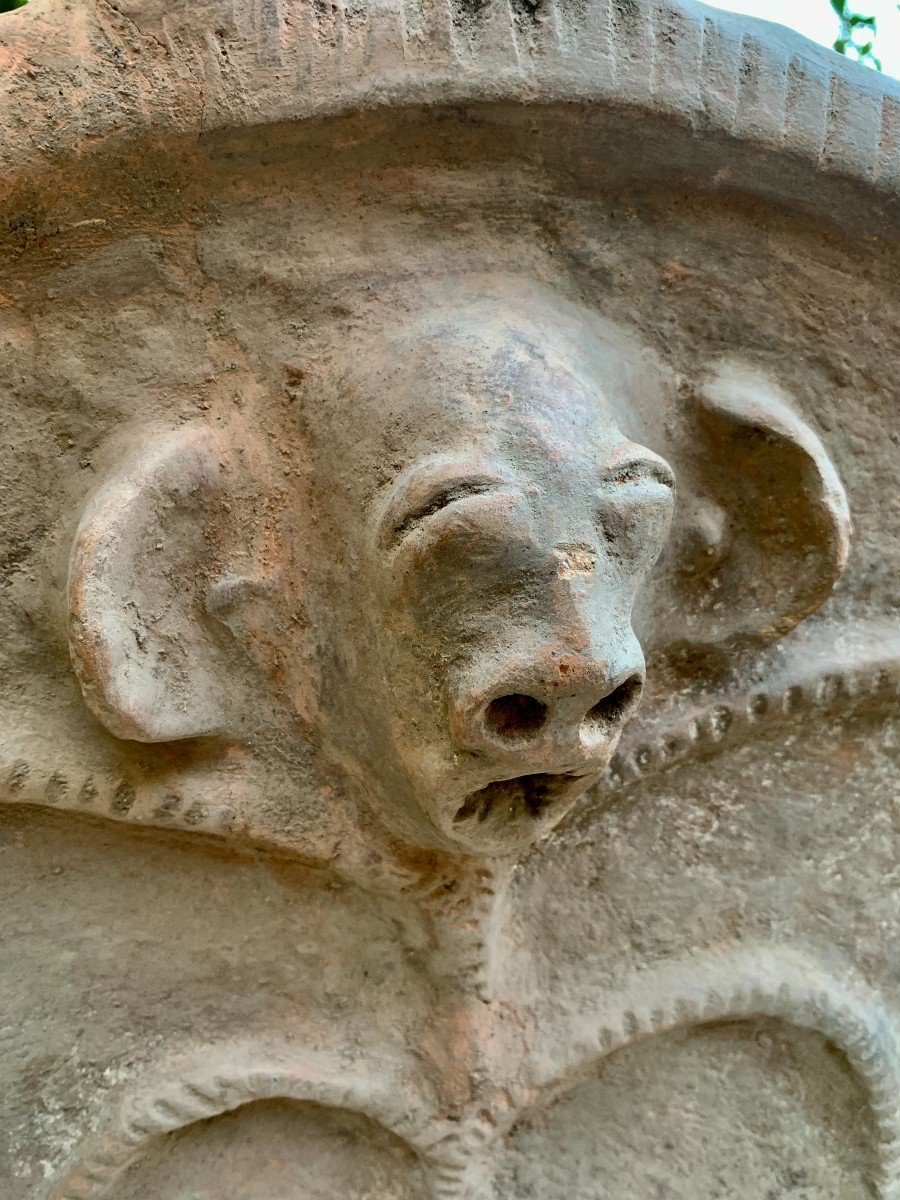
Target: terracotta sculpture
(448, 628)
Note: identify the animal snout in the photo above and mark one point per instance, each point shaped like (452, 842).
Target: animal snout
(552, 713)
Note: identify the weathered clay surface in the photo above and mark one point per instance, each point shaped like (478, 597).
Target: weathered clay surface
(448, 627)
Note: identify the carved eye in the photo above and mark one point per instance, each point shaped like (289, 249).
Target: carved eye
(435, 501)
(640, 468)
(636, 499)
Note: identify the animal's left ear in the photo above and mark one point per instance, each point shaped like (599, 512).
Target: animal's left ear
(762, 527)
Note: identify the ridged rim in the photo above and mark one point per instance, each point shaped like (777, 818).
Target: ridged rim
(221, 1078)
(119, 68)
(743, 983)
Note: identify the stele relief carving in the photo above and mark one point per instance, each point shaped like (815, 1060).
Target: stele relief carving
(449, 598)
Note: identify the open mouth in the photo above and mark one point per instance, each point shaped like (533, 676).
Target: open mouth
(509, 800)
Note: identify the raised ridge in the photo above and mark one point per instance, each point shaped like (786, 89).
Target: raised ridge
(220, 1078)
(757, 980)
(811, 687)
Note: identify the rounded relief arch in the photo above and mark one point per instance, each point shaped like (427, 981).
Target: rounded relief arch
(760, 984)
(236, 1107)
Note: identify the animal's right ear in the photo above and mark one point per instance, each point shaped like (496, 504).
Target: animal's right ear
(144, 578)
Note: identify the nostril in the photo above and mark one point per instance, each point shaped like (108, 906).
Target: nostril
(612, 708)
(515, 718)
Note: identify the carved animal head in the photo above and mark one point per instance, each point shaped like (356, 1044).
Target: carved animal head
(434, 568)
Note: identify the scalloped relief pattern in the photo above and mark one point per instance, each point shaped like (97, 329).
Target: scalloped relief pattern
(757, 981)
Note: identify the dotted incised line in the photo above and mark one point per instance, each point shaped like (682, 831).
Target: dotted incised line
(711, 727)
(461, 1158)
(470, 902)
(464, 908)
(750, 982)
(758, 982)
(112, 796)
(202, 1093)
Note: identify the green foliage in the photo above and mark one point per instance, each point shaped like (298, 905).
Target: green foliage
(857, 36)
(9, 5)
